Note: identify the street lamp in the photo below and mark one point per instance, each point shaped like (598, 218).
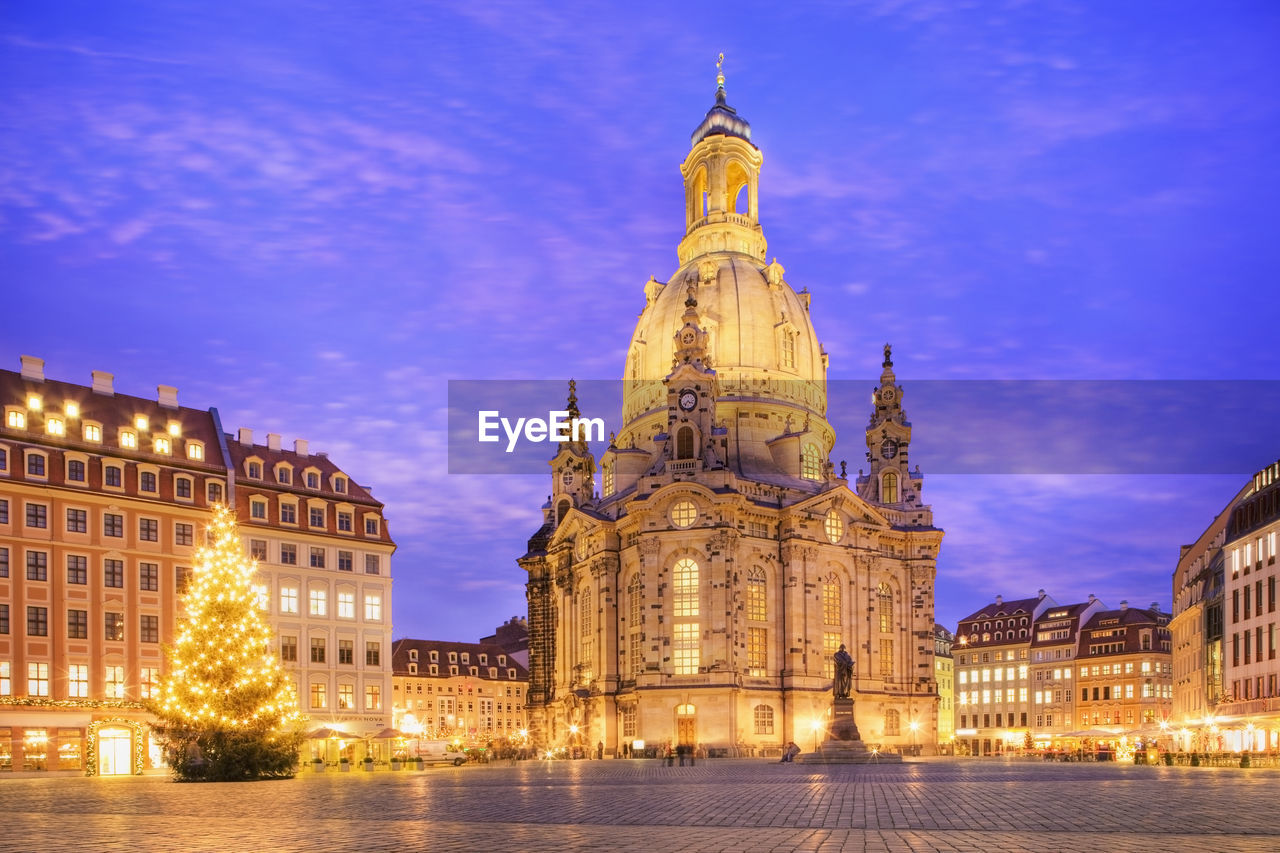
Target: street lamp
(816, 725)
(914, 725)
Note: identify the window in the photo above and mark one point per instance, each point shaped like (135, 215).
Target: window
(183, 533)
(606, 487)
(149, 628)
(344, 561)
(37, 679)
(149, 682)
(288, 599)
(77, 624)
(684, 653)
(4, 618)
(319, 602)
(4, 511)
(316, 516)
(684, 513)
(373, 654)
(37, 621)
(684, 443)
(788, 350)
(635, 623)
(147, 481)
(373, 608)
(182, 487)
(763, 719)
(370, 525)
(892, 722)
(77, 569)
(37, 515)
(346, 696)
(289, 555)
(195, 451)
(757, 595)
(288, 513)
(346, 605)
(831, 604)
(757, 651)
(372, 697)
(148, 530)
(112, 476)
(372, 564)
(182, 578)
(255, 470)
(35, 464)
(810, 463)
(317, 558)
(92, 432)
(886, 659)
(889, 488)
(685, 588)
(78, 681)
(346, 652)
(318, 698)
(77, 521)
(884, 606)
(75, 471)
(37, 566)
(289, 649)
(313, 480)
(258, 509)
(214, 492)
(340, 485)
(317, 649)
(55, 426)
(148, 577)
(284, 475)
(163, 445)
(112, 524)
(16, 419)
(834, 526)
(258, 549)
(344, 522)
(113, 626)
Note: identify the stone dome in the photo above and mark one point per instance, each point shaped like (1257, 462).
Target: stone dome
(762, 344)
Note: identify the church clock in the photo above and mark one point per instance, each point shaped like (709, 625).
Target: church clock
(688, 399)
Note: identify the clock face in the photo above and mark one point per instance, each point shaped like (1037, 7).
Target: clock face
(887, 395)
(889, 448)
(688, 400)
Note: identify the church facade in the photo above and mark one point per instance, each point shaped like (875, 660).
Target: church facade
(698, 595)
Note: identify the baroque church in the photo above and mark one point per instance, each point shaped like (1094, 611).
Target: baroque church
(698, 597)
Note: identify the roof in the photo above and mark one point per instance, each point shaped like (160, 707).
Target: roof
(400, 658)
(1004, 608)
(355, 493)
(722, 120)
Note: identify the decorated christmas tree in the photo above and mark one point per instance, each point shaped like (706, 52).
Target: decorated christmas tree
(227, 711)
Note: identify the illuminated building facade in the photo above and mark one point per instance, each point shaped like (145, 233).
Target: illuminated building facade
(1055, 643)
(993, 690)
(698, 596)
(945, 676)
(102, 499)
(472, 691)
(1125, 671)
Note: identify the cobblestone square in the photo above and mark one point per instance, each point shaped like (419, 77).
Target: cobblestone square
(724, 806)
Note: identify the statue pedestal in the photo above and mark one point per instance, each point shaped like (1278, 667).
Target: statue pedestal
(843, 744)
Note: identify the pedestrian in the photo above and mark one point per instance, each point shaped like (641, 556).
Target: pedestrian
(600, 751)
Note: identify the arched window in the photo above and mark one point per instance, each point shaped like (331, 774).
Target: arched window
(889, 488)
(684, 583)
(562, 509)
(810, 464)
(757, 595)
(764, 719)
(788, 354)
(586, 636)
(831, 601)
(635, 625)
(684, 443)
(892, 722)
(884, 606)
(607, 484)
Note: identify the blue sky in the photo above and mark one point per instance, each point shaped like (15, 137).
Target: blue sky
(313, 216)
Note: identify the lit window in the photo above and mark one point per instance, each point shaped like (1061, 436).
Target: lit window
(16, 419)
(115, 682)
(261, 596)
(810, 464)
(757, 654)
(684, 653)
(162, 445)
(141, 423)
(372, 697)
(319, 602)
(175, 429)
(834, 525)
(889, 488)
(92, 432)
(128, 438)
(149, 683)
(685, 583)
(195, 451)
(78, 681)
(757, 595)
(831, 604)
(318, 699)
(373, 608)
(346, 696)
(347, 605)
(607, 487)
(37, 679)
(683, 513)
(34, 402)
(72, 409)
(288, 599)
(55, 426)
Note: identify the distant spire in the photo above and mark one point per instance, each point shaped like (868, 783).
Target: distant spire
(573, 400)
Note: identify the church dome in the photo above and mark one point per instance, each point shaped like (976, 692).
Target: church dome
(761, 341)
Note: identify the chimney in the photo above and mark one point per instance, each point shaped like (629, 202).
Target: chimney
(246, 437)
(999, 599)
(1155, 605)
(300, 446)
(273, 441)
(32, 368)
(1124, 605)
(103, 383)
(1040, 593)
(167, 396)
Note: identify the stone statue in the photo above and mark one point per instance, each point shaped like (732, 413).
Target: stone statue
(844, 673)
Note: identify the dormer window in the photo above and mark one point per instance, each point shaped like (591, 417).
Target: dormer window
(371, 525)
(34, 403)
(255, 470)
(16, 419)
(413, 654)
(195, 450)
(55, 426)
(435, 655)
(162, 445)
(175, 429)
(71, 408)
(128, 438)
(484, 659)
(141, 423)
(340, 485)
(313, 480)
(284, 475)
(93, 432)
